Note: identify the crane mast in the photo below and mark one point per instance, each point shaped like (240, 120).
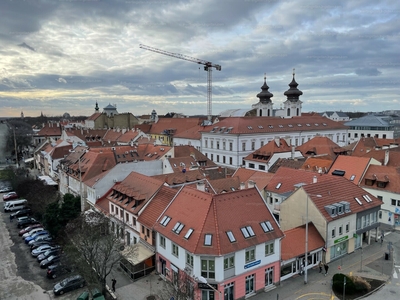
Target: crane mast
(208, 66)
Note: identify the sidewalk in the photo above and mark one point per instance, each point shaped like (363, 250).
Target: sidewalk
(369, 262)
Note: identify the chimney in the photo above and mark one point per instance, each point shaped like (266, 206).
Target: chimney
(292, 155)
(251, 184)
(242, 186)
(386, 158)
(219, 169)
(201, 186)
(314, 180)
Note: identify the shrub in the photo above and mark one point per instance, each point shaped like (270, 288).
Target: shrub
(337, 285)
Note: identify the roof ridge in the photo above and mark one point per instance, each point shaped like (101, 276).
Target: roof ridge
(202, 224)
(214, 204)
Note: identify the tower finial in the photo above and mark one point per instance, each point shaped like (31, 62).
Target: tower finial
(293, 72)
(265, 76)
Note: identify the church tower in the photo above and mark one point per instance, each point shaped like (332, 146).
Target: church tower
(96, 108)
(264, 107)
(292, 106)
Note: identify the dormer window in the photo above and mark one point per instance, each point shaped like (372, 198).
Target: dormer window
(208, 240)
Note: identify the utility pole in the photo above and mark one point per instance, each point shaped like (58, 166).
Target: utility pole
(15, 148)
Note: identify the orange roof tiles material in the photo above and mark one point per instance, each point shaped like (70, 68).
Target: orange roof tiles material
(265, 152)
(317, 164)
(213, 216)
(354, 167)
(389, 176)
(174, 125)
(320, 146)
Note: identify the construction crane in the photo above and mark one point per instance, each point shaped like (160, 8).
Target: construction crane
(207, 67)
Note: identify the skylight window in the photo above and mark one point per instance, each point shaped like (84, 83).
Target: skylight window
(165, 221)
(189, 233)
(324, 124)
(231, 237)
(352, 177)
(270, 126)
(260, 126)
(208, 239)
(247, 231)
(299, 125)
(358, 200)
(367, 198)
(266, 226)
(250, 127)
(278, 185)
(316, 124)
(290, 125)
(280, 126)
(308, 125)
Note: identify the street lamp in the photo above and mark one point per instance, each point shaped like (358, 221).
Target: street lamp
(15, 148)
(203, 280)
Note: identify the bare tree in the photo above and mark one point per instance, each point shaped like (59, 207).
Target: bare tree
(179, 285)
(94, 249)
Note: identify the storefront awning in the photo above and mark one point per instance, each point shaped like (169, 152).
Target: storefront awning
(136, 253)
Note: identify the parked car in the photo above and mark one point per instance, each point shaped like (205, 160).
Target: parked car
(39, 238)
(26, 220)
(57, 269)
(10, 196)
(29, 228)
(51, 260)
(69, 284)
(48, 253)
(41, 249)
(47, 240)
(5, 189)
(33, 231)
(32, 237)
(15, 205)
(21, 213)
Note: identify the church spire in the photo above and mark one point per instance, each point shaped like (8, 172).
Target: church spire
(265, 96)
(293, 93)
(96, 108)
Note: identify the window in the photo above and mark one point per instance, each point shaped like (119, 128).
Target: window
(394, 202)
(223, 145)
(380, 214)
(250, 284)
(223, 159)
(250, 255)
(127, 217)
(165, 220)
(334, 232)
(340, 230)
(217, 158)
(348, 227)
(189, 259)
(230, 146)
(251, 166)
(269, 249)
(207, 295)
(208, 268)
(262, 143)
(247, 231)
(253, 145)
(206, 144)
(229, 262)
(261, 167)
(112, 208)
(243, 146)
(230, 160)
(148, 232)
(175, 250)
(231, 237)
(212, 144)
(162, 241)
(189, 233)
(208, 240)
(212, 157)
(217, 144)
(142, 229)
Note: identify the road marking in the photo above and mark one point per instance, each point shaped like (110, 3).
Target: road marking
(395, 275)
(316, 296)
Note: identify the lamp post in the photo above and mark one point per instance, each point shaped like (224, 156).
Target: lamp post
(15, 148)
(203, 280)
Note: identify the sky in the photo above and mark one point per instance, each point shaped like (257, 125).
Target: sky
(60, 56)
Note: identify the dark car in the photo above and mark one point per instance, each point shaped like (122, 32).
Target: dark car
(57, 269)
(69, 284)
(51, 260)
(21, 213)
(26, 220)
(48, 253)
(41, 249)
(48, 240)
(29, 228)
(10, 196)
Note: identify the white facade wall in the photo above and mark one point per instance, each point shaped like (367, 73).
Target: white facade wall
(210, 142)
(355, 135)
(186, 141)
(265, 166)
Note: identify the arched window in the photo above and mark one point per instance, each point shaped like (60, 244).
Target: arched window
(288, 112)
(298, 112)
(260, 112)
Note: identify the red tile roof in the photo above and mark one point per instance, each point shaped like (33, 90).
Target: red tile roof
(392, 155)
(366, 144)
(192, 133)
(148, 217)
(261, 179)
(285, 179)
(112, 135)
(320, 146)
(225, 185)
(50, 129)
(353, 166)
(128, 136)
(336, 189)
(293, 244)
(385, 174)
(249, 125)
(317, 164)
(179, 178)
(215, 215)
(265, 153)
(94, 117)
(177, 125)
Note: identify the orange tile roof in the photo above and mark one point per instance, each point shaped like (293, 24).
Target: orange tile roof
(353, 166)
(285, 179)
(192, 133)
(292, 244)
(178, 125)
(148, 217)
(261, 179)
(248, 125)
(336, 189)
(94, 117)
(112, 135)
(140, 187)
(320, 146)
(50, 129)
(390, 175)
(216, 214)
(265, 152)
(287, 162)
(317, 163)
(393, 156)
(224, 185)
(179, 178)
(128, 136)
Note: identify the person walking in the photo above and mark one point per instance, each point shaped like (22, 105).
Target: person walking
(113, 284)
(326, 269)
(381, 239)
(320, 265)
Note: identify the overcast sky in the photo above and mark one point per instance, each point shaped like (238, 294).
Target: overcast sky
(61, 56)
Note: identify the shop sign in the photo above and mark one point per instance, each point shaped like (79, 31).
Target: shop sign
(252, 264)
(205, 286)
(342, 239)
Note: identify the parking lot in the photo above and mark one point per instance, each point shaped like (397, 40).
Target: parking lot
(20, 274)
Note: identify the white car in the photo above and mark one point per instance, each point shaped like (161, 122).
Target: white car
(33, 231)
